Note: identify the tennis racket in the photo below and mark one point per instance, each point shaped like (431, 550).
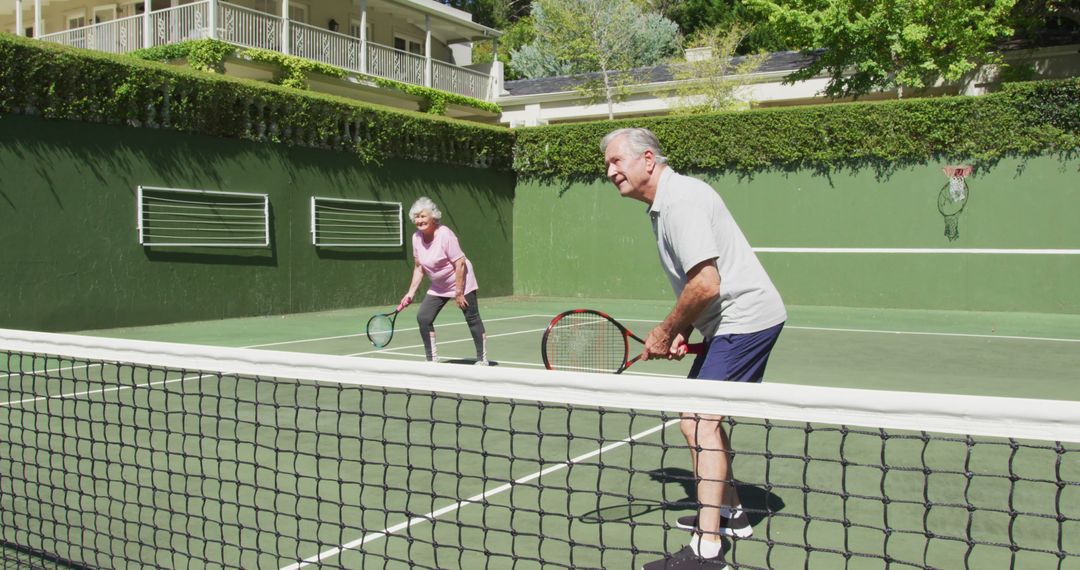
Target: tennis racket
(590, 341)
(380, 328)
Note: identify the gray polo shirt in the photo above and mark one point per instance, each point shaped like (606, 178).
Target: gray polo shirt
(692, 224)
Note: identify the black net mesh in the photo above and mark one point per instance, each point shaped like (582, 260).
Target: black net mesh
(116, 465)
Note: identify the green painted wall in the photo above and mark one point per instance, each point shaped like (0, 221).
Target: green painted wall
(584, 240)
(70, 258)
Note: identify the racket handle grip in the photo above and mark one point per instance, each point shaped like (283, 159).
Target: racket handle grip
(695, 348)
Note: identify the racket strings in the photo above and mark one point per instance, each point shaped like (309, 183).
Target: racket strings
(586, 342)
(380, 330)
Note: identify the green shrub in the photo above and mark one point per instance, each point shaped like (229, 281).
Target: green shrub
(66, 83)
(1022, 119)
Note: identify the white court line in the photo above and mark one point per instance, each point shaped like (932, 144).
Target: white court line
(303, 340)
(533, 364)
(918, 333)
(264, 345)
(430, 517)
(395, 352)
(966, 251)
(391, 351)
(912, 333)
(100, 390)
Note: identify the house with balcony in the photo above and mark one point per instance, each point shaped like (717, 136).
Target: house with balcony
(414, 42)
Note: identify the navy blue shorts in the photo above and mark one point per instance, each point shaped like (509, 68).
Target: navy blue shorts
(736, 357)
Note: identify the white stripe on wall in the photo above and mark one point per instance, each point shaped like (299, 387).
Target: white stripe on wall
(916, 250)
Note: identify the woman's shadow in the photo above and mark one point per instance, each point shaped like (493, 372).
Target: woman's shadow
(756, 501)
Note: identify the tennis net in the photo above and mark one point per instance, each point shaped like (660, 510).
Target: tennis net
(120, 454)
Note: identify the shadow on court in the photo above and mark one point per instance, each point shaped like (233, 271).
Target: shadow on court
(469, 361)
(757, 502)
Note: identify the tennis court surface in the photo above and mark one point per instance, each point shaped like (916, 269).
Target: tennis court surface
(880, 439)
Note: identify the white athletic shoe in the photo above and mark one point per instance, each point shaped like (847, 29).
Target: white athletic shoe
(733, 522)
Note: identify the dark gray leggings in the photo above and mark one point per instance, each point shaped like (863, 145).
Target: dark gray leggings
(429, 309)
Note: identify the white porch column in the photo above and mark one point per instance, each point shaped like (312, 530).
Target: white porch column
(286, 35)
(495, 80)
(19, 31)
(497, 73)
(147, 24)
(212, 20)
(427, 50)
(37, 18)
(363, 36)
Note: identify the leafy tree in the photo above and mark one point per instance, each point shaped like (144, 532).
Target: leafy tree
(498, 14)
(610, 37)
(519, 34)
(695, 16)
(712, 83)
(534, 58)
(1034, 16)
(886, 44)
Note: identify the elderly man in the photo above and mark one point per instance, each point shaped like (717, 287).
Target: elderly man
(723, 291)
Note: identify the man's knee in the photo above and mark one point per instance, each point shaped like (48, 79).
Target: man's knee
(703, 432)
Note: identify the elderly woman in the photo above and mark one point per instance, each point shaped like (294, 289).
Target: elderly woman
(437, 253)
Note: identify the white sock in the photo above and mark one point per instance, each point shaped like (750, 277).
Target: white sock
(705, 548)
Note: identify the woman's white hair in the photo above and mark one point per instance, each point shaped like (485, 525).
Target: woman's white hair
(425, 203)
(639, 140)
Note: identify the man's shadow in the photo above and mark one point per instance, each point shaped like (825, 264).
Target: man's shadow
(756, 501)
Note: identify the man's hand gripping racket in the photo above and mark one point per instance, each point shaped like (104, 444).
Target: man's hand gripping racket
(590, 341)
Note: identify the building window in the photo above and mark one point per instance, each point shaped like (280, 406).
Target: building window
(354, 29)
(76, 21)
(408, 44)
(298, 13)
(132, 9)
(104, 13)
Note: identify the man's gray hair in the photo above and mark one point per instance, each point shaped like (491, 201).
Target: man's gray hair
(424, 203)
(640, 140)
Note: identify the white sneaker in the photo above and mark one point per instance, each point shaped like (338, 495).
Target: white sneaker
(481, 363)
(733, 522)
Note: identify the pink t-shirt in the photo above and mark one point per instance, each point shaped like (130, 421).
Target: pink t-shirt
(437, 258)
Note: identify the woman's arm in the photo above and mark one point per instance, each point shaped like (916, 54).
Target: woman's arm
(417, 276)
(459, 282)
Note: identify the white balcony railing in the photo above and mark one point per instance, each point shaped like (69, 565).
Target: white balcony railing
(327, 47)
(116, 36)
(249, 28)
(461, 80)
(254, 29)
(178, 24)
(395, 64)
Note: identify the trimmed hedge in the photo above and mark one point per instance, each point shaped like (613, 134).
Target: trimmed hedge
(1022, 119)
(58, 82)
(210, 55)
(67, 83)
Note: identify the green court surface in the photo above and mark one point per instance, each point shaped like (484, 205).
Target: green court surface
(1026, 355)
(229, 471)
